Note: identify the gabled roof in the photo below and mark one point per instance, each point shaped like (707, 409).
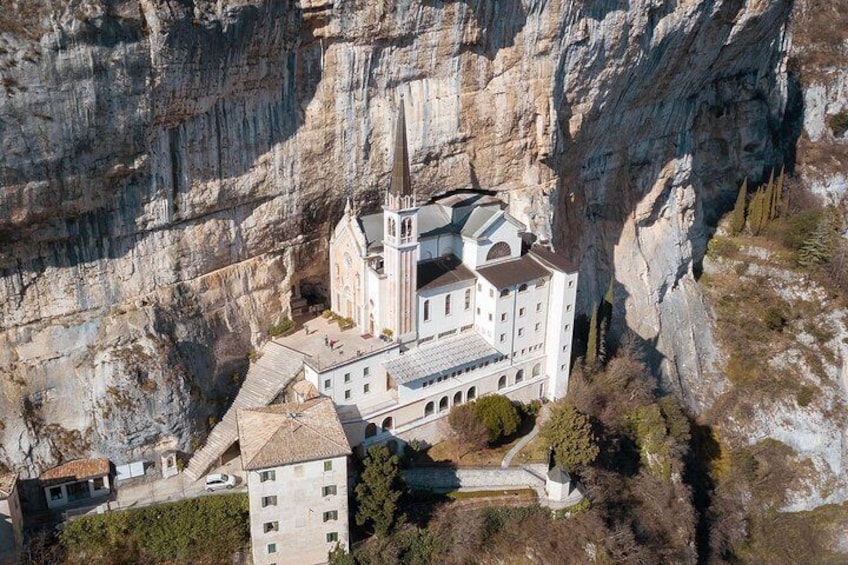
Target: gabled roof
(552, 259)
(513, 272)
(77, 470)
(442, 272)
(7, 484)
(282, 434)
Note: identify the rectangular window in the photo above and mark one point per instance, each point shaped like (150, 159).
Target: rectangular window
(366, 388)
(331, 515)
(347, 378)
(538, 307)
(426, 310)
(56, 493)
(328, 465)
(327, 384)
(468, 299)
(490, 316)
(99, 483)
(272, 548)
(538, 326)
(567, 327)
(447, 305)
(503, 338)
(271, 527)
(269, 501)
(521, 311)
(366, 371)
(568, 308)
(491, 293)
(332, 537)
(329, 490)
(478, 310)
(520, 332)
(479, 287)
(267, 476)
(570, 284)
(503, 317)
(347, 394)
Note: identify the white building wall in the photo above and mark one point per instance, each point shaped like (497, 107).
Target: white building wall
(352, 377)
(301, 536)
(439, 246)
(439, 322)
(563, 295)
(484, 311)
(372, 303)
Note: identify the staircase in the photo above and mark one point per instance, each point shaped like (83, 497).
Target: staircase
(265, 379)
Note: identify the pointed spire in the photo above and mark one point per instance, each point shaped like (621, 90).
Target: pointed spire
(401, 180)
(348, 207)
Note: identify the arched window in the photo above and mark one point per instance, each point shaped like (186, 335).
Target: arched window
(392, 227)
(429, 409)
(371, 430)
(426, 310)
(519, 376)
(406, 229)
(472, 393)
(443, 404)
(457, 398)
(498, 251)
(502, 382)
(522, 288)
(388, 424)
(347, 260)
(537, 368)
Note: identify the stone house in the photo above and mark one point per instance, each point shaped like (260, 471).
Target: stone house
(77, 483)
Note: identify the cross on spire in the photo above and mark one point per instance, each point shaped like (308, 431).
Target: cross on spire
(401, 180)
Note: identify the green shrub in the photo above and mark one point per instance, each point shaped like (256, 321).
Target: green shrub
(499, 415)
(720, 246)
(773, 318)
(838, 123)
(206, 529)
(281, 327)
(804, 396)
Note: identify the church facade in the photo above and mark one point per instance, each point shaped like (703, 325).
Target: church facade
(462, 304)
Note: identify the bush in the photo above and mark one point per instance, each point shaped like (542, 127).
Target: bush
(281, 327)
(206, 529)
(838, 123)
(498, 414)
(804, 396)
(722, 247)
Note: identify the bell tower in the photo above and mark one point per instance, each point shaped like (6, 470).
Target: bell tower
(400, 241)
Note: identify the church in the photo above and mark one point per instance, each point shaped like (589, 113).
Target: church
(451, 301)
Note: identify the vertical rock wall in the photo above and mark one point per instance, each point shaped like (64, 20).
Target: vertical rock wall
(170, 168)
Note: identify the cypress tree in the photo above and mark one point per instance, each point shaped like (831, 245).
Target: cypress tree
(769, 199)
(778, 192)
(737, 217)
(592, 342)
(755, 212)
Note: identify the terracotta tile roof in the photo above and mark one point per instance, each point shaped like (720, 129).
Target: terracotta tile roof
(306, 389)
(77, 470)
(513, 272)
(282, 434)
(7, 484)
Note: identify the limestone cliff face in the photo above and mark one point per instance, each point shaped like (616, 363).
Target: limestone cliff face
(169, 169)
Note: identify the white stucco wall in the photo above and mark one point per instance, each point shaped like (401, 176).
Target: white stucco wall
(563, 294)
(439, 322)
(299, 512)
(376, 378)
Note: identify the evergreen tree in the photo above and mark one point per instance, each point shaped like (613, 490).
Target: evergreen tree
(737, 217)
(378, 492)
(499, 415)
(770, 202)
(592, 340)
(569, 434)
(822, 243)
(778, 192)
(758, 212)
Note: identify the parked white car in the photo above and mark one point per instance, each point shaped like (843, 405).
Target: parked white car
(219, 481)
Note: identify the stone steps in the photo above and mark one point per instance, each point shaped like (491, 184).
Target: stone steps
(266, 378)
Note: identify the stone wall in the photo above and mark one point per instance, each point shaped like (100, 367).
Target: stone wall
(475, 478)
